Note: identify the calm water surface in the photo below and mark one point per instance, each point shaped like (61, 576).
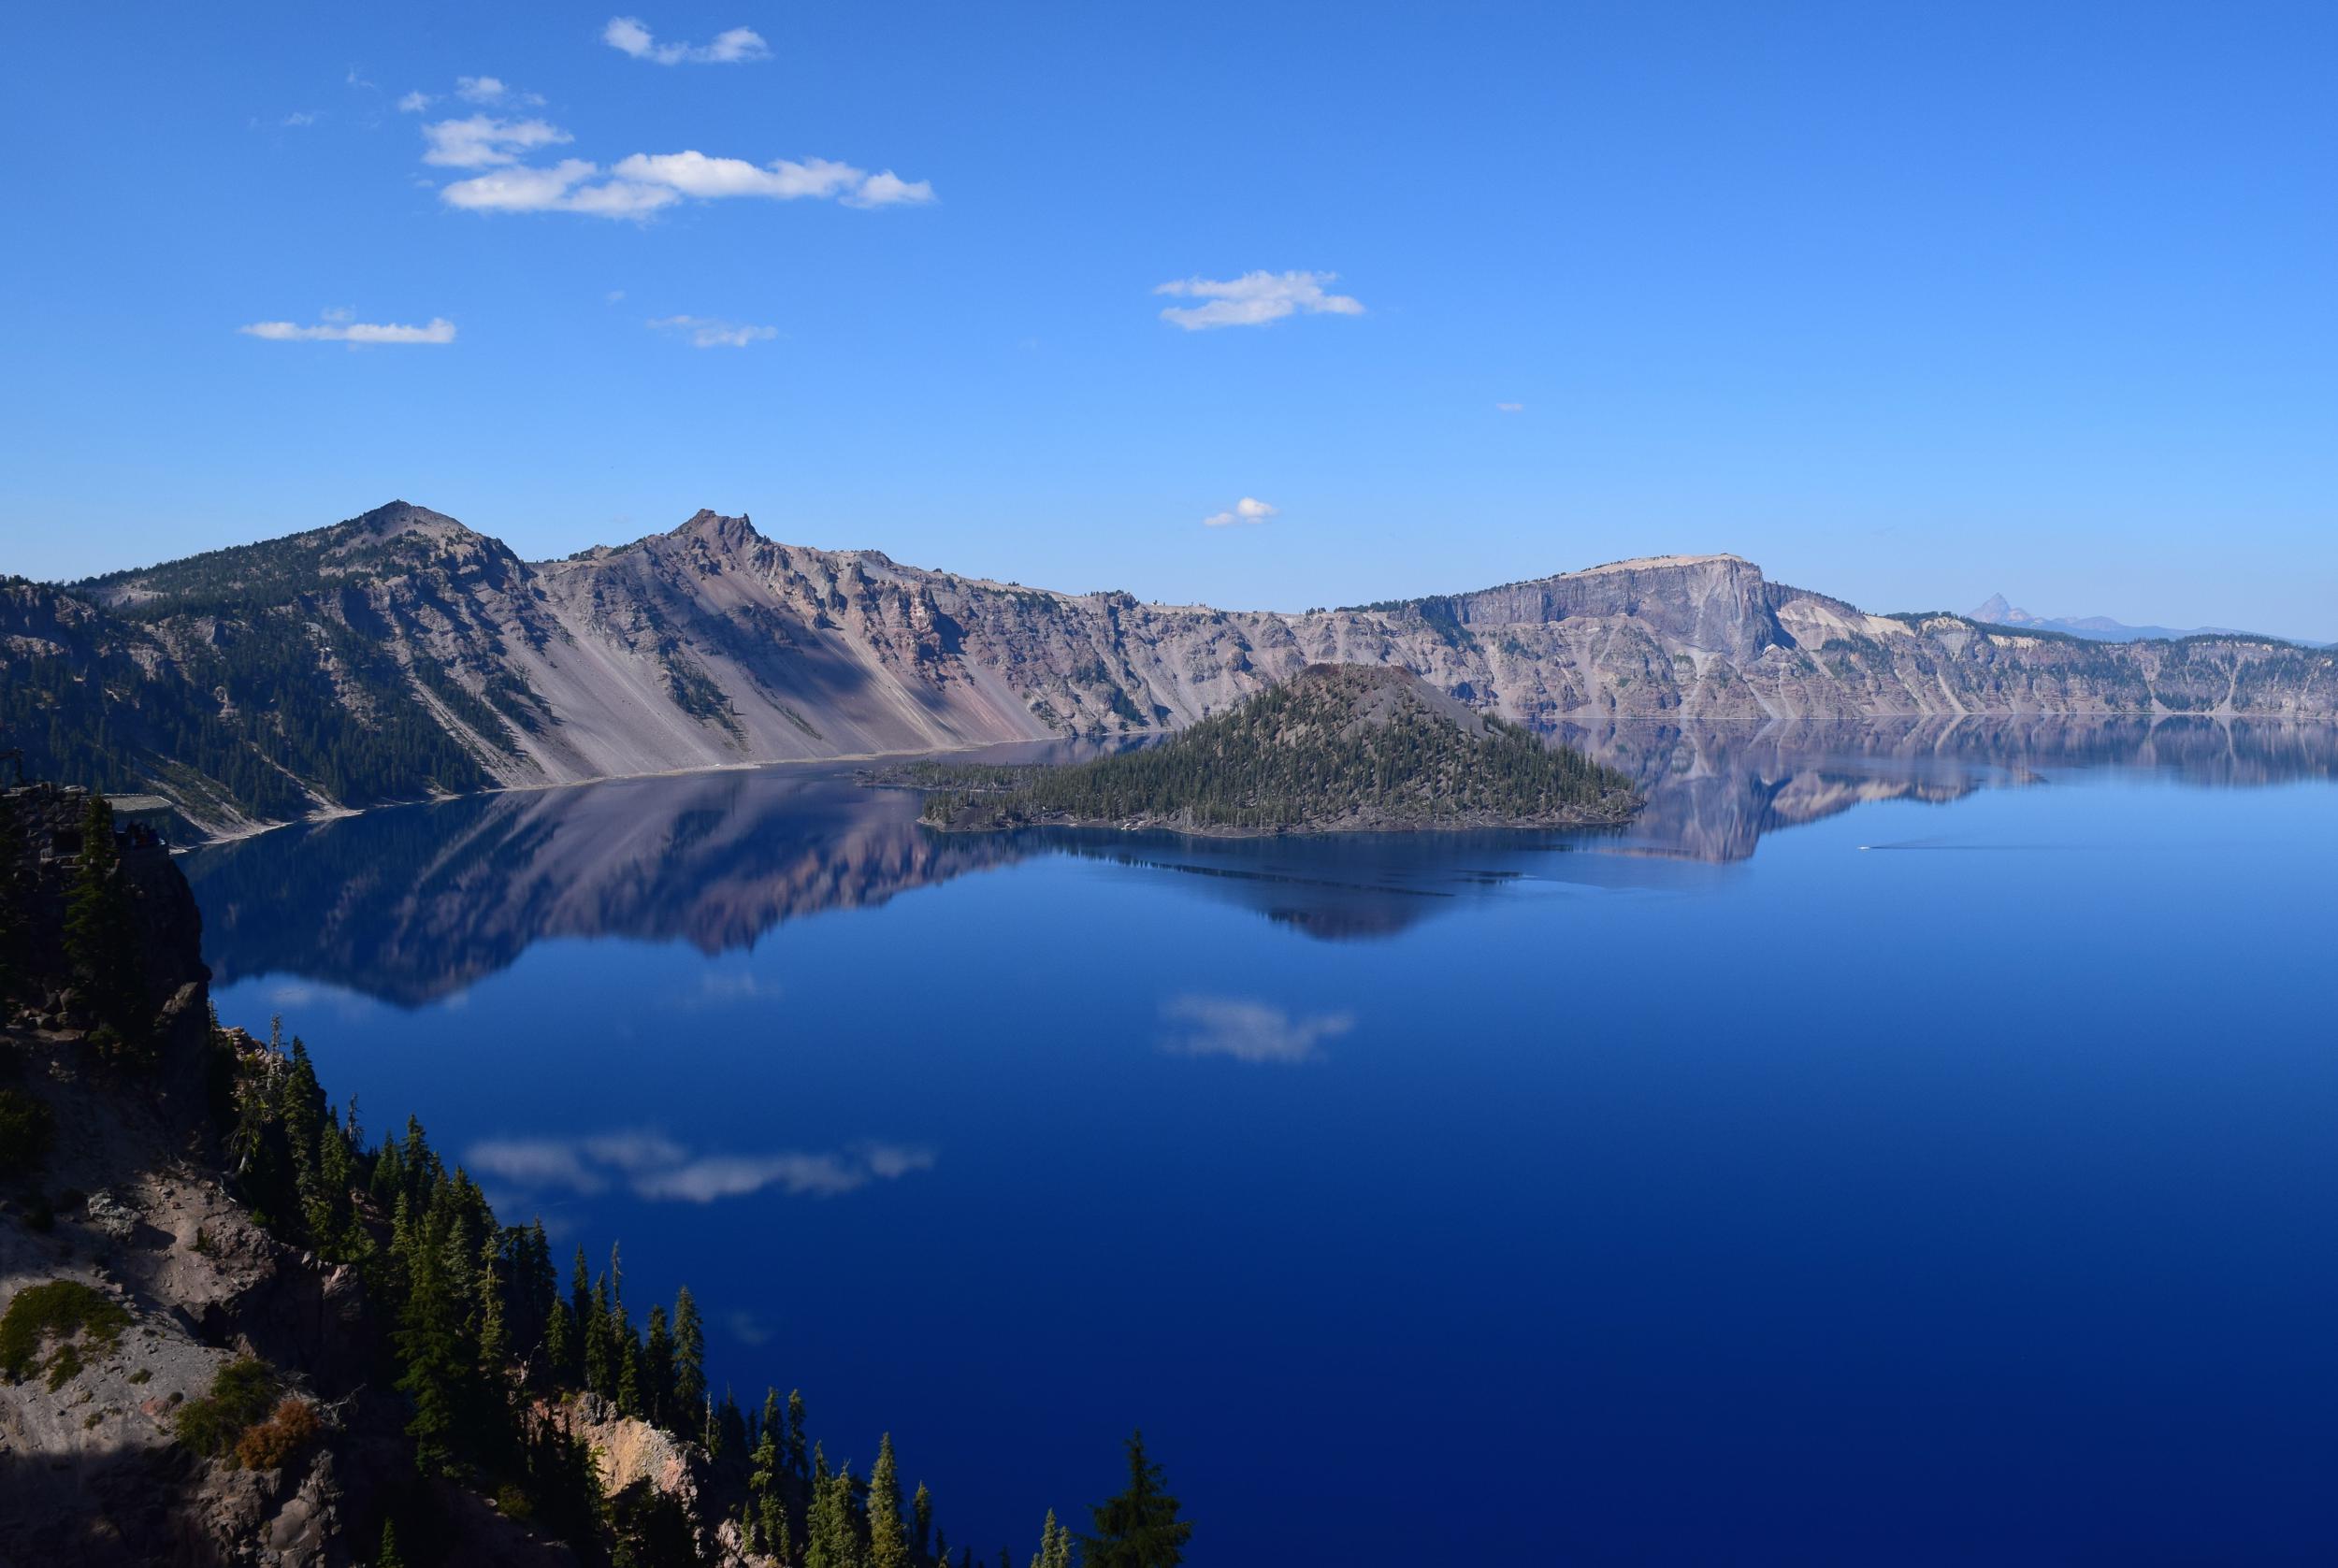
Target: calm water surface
(1909, 1144)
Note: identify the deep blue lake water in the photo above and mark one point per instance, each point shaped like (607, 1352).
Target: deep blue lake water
(1910, 1144)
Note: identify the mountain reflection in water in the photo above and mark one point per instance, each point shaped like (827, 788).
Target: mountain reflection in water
(415, 905)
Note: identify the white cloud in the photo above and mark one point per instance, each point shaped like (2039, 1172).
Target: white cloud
(479, 89)
(1254, 299)
(706, 332)
(695, 174)
(483, 141)
(642, 182)
(296, 118)
(338, 329)
(654, 1167)
(567, 186)
(536, 1163)
(1247, 1031)
(1248, 509)
(613, 297)
(889, 189)
(1510, 408)
(415, 102)
(732, 48)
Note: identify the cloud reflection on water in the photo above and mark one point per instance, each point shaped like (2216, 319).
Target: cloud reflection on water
(656, 1169)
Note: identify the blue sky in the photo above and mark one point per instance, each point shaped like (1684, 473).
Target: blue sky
(1910, 303)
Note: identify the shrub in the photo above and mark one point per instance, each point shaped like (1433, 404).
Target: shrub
(28, 1128)
(291, 1427)
(243, 1393)
(58, 1311)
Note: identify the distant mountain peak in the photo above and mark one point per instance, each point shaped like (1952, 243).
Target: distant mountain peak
(720, 529)
(394, 518)
(1997, 610)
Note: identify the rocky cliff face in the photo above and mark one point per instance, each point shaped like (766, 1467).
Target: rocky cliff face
(448, 664)
(138, 1280)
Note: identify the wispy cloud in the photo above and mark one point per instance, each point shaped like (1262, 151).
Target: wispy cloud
(1248, 509)
(298, 118)
(643, 182)
(887, 189)
(656, 1169)
(735, 47)
(336, 328)
(1510, 408)
(707, 332)
(571, 185)
(482, 141)
(1246, 1030)
(748, 1329)
(415, 102)
(1254, 299)
(491, 90)
(695, 174)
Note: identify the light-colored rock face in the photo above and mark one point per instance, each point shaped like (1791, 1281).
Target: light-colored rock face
(712, 645)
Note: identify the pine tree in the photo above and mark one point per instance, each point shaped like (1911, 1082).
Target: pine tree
(1140, 1527)
(581, 1295)
(494, 1342)
(629, 1375)
(888, 1544)
(101, 933)
(732, 1422)
(763, 1481)
(1055, 1544)
(560, 1347)
(689, 1352)
(832, 1536)
(387, 1556)
(795, 1433)
(430, 1343)
(658, 1373)
(601, 1341)
(921, 1519)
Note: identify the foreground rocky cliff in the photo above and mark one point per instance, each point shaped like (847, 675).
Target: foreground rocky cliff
(231, 1331)
(400, 654)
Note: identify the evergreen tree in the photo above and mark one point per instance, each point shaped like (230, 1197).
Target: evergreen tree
(387, 1556)
(560, 1347)
(921, 1519)
(581, 1297)
(833, 1537)
(601, 1341)
(495, 1341)
(1055, 1544)
(658, 1373)
(795, 1433)
(763, 1484)
(689, 1352)
(1140, 1527)
(101, 934)
(629, 1375)
(430, 1342)
(732, 1423)
(889, 1544)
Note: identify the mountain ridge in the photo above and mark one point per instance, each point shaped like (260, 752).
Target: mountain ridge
(401, 654)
